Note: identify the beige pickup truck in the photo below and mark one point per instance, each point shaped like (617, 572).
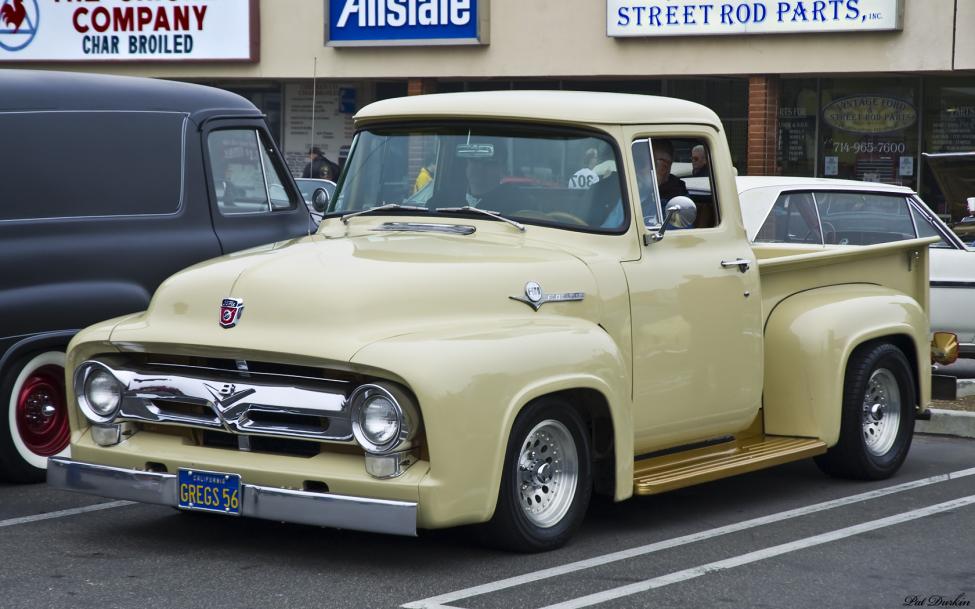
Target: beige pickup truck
(510, 305)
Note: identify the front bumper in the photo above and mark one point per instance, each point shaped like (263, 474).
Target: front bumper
(302, 507)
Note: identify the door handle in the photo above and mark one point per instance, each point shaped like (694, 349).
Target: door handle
(742, 264)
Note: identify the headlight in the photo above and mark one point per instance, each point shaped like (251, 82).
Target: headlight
(99, 392)
(384, 418)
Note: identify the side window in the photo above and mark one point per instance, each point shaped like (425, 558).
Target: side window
(681, 166)
(245, 179)
(792, 220)
(852, 218)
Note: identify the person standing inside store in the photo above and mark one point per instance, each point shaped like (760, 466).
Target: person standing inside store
(320, 167)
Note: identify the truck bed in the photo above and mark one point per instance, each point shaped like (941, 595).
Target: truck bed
(789, 269)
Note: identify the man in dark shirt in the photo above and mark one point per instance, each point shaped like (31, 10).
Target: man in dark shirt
(320, 167)
(663, 159)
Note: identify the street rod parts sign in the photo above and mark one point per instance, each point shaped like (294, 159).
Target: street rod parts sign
(406, 22)
(627, 18)
(128, 31)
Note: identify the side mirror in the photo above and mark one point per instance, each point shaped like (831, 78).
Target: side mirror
(971, 206)
(680, 213)
(319, 200)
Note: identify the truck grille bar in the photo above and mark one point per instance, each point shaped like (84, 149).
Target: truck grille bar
(256, 408)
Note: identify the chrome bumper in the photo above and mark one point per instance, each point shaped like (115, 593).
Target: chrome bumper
(320, 509)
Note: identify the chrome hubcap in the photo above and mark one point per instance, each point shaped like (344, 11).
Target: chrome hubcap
(548, 468)
(881, 412)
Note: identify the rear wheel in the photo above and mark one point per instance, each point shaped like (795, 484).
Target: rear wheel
(877, 423)
(36, 423)
(546, 483)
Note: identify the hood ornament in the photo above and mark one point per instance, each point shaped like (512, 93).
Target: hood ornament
(230, 311)
(535, 296)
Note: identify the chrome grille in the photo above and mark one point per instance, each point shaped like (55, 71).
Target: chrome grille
(275, 406)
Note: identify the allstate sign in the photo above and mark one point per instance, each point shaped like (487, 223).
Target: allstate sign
(696, 17)
(406, 22)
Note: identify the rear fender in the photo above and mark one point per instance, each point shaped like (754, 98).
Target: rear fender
(471, 385)
(809, 338)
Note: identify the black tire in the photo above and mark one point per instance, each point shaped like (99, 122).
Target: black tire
(863, 452)
(513, 527)
(18, 462)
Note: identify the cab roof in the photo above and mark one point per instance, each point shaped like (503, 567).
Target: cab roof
(555, 106)
(40, 90)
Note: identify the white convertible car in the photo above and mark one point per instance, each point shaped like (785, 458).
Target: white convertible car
(828, 212)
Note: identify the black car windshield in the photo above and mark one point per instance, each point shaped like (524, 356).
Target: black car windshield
(543, 176)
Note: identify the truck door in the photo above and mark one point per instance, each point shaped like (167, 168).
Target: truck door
(694, 297)
(253, 197)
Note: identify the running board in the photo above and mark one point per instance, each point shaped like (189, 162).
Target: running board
(673, 471)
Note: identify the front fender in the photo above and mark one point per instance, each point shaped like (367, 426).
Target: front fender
(808, 340)
(471, 382)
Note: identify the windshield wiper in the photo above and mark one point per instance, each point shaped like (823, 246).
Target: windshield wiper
(487, 212)
(387, 206)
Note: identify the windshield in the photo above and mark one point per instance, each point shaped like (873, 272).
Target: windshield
(536, 176)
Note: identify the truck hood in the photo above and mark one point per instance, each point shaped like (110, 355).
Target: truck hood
(326, 298)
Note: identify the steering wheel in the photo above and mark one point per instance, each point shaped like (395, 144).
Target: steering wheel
(566, 218)
(559, 216)
(827, 231)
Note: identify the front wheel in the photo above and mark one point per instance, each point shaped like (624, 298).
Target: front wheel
(877, 422)
(546, 483)
(35, 422)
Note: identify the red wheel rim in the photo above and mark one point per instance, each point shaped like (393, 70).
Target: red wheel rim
(42, 416)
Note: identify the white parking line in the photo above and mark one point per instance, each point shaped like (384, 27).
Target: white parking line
(440, 602)
(744, 559)
(62, 513)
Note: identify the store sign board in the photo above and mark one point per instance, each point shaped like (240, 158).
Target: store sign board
(870, 114)
(405, 22)
(124, 31)
(643, 18)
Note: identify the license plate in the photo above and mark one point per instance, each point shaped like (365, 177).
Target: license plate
(208, 491)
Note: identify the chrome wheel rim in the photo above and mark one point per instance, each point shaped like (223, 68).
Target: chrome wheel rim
(548, 469)
(881, 413)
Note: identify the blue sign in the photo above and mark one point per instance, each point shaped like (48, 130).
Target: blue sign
(347, 100)
(403, 22)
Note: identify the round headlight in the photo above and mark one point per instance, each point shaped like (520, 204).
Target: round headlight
(103, 393)
(384, 417)
(380, 420)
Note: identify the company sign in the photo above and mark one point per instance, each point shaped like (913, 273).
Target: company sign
(641, 18)
(406, 22)
(124, 30)
(870, 114)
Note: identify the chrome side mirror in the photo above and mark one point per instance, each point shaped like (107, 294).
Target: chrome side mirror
(681, 213)
(319, 200)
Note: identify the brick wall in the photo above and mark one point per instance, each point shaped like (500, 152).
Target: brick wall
(763, 125)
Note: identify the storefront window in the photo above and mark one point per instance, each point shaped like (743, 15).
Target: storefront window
(949, 126)
(798, 109)
(869, 130)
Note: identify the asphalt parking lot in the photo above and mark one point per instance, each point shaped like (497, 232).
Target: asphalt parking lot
(787, 536)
